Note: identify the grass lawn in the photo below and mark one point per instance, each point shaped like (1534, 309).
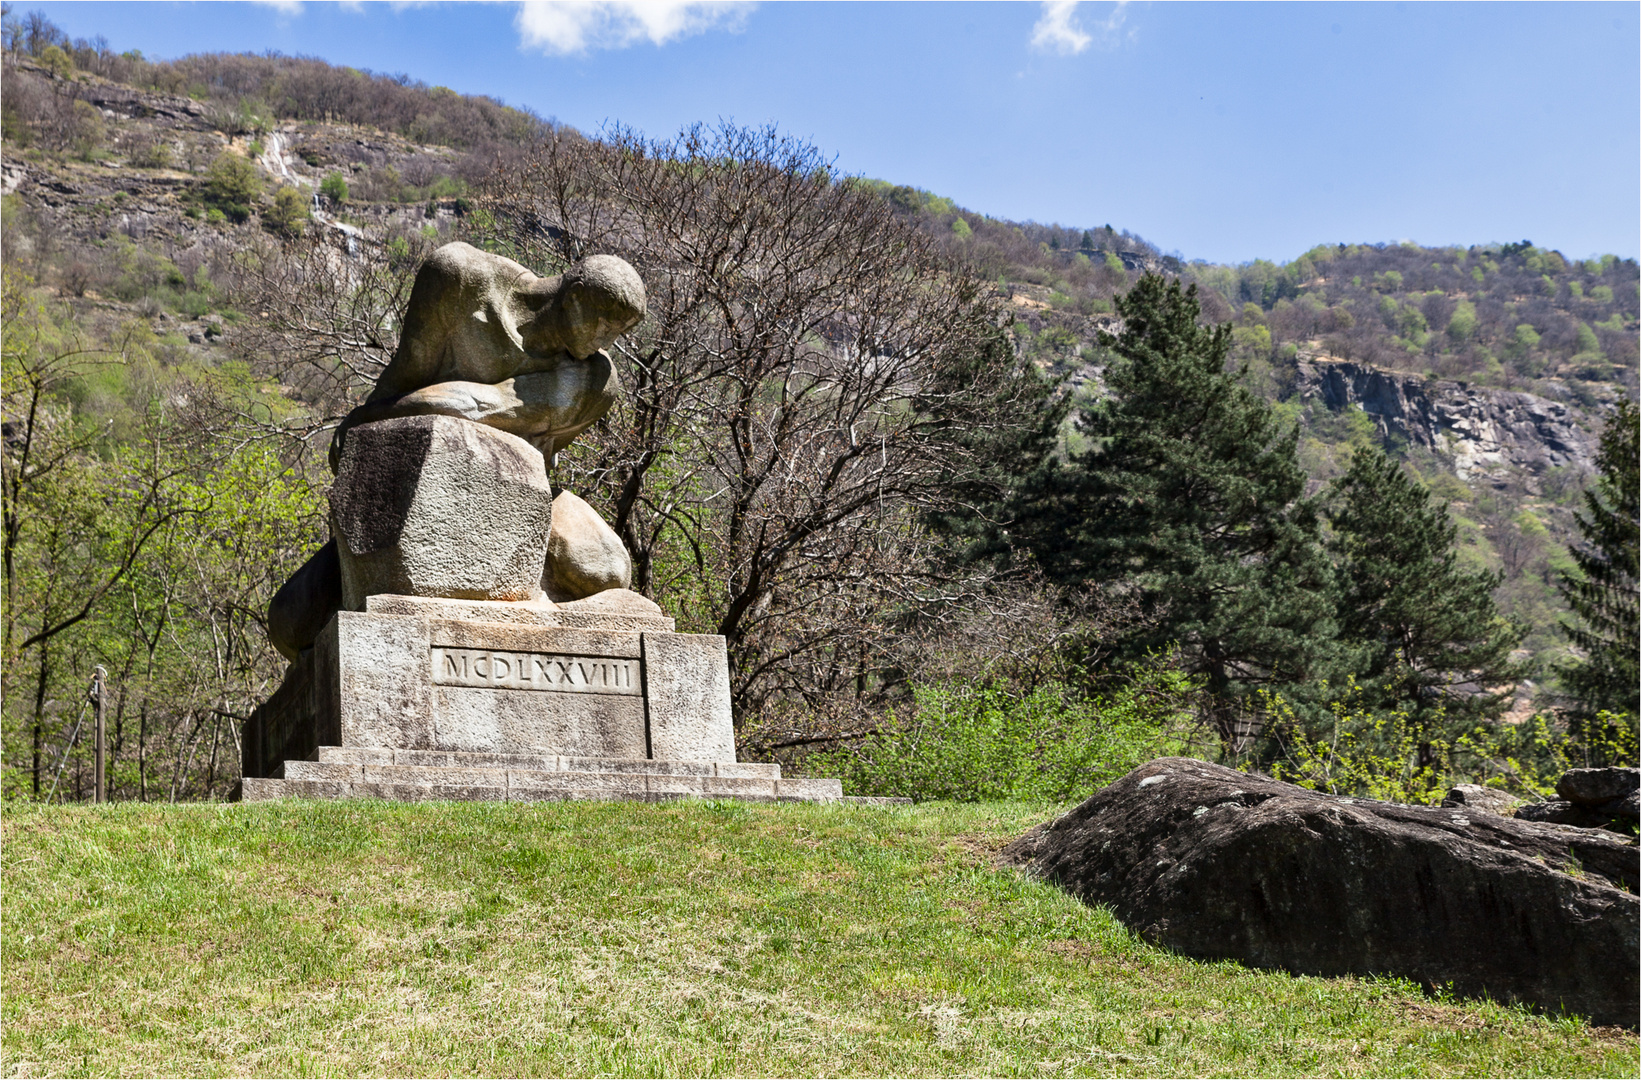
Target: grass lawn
(690, 938)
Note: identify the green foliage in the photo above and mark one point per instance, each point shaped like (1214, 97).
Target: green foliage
(910, 199)
(1462, 326)
(1412, 326)
(1602, 593)
(289, 213)
(232, 186)
(86, 132)
(140, 274)
(335, 188)
(695, 938)
(56, 61)
(961, 229)
(1393, 756)
(143, 544)
(1191, 494)
(981, 740)
(1008, 457)
(1425, 632)
(1520, 350)
(254, 115)
(153, 154)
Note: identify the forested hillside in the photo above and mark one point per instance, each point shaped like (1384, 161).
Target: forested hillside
(204, 261)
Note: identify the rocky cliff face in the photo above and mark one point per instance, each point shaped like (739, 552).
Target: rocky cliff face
(1483, 432)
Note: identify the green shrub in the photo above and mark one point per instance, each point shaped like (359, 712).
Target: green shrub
(447, 187)
(194, 304)
(232, 186)
(288, 214)
(981, 741)
(56, 61)
(335, 188)
(1394, 757)
(88, 132)
(154, 154)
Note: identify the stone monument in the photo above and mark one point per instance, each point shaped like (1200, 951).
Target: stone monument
(465, 634)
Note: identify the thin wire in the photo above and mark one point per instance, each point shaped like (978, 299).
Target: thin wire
(64, 759)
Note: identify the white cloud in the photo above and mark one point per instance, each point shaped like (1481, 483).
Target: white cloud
(577, 26)
(1059, 31)
(284, 7)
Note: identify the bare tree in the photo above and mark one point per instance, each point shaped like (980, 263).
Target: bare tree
(328, 310)
(795, 399)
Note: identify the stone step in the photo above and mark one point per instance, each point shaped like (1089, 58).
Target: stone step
(369, 755)
(508, 780)
(499, 785)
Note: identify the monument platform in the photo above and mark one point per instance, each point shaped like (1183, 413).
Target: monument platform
(410, 775)
(426, 698)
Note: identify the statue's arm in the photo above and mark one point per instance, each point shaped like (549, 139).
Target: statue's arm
(547, 408)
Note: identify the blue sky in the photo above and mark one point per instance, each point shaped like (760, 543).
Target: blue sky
(1225, 132)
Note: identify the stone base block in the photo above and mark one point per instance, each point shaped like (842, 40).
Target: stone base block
(418, 698)
(498, 678)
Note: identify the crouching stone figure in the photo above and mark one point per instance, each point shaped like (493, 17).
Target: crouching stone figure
(425, 505)
(486, 340)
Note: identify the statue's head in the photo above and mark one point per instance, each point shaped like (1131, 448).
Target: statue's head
(594, 302)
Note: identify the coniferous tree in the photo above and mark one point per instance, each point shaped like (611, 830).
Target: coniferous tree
(1192, 496)
(1009, 446)
(1427, 634)
(1603, 593)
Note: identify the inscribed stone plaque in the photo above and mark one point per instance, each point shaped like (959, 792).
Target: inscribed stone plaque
(491, 669)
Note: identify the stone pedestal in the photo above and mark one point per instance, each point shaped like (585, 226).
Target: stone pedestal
(434, 698)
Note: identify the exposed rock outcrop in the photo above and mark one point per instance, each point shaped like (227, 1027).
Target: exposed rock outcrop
(1478, 429)
(1219, 864)
(1593, 798)
(1485, 799)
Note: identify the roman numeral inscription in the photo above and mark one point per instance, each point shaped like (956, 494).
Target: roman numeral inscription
(535, 671)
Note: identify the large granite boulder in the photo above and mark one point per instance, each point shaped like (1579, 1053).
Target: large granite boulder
(584, 555)
(435, 506)
(1607, 798)
(1219, 864)
(1598, 787)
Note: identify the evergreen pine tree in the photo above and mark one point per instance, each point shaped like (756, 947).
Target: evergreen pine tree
(1004, 445)
(1603, 592)
(1426, 632)
(1191, 495)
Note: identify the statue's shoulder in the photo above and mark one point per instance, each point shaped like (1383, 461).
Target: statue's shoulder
(464, 263)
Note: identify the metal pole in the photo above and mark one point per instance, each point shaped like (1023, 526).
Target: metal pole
(97, 691)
